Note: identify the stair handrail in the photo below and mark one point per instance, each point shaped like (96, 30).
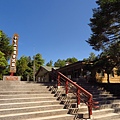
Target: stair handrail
(90, 103)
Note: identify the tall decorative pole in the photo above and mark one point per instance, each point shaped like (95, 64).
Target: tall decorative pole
(14, 55)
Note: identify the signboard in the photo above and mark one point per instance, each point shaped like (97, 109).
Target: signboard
(14, 54)
(13, 78)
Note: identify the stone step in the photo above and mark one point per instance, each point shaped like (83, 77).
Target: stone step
(34, 114)
(24, 89)
(101, 102)
(5, 96)
(96, 112)
(108, 116)
(104, 114)
(29, 109)
(55, 117)
(28, 104)
(113, 105)
(102, 95)
(98, 92)
(24, 92)
(104, 98)
(28, 99)
(117, 110)
(23, 85)
(102, 111)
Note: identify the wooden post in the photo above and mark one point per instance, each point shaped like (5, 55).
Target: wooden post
(58, 80)
(66, 86)
(90, 107)
(78, 98)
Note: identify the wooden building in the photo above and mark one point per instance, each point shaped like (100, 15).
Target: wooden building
(76, 71)
(43, 74)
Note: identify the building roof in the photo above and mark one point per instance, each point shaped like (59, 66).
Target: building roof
(47, 68)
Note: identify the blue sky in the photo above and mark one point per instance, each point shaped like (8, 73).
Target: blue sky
(57, 29)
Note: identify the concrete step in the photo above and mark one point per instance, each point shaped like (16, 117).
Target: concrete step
(32, 101)
(117, 110)
(28, 99)
(28, 104)
(23, 92)
(102, 111)
(55, 117)
(104, 114)
(5, 96)
(29, 109)
(104, 98)
(101, 102)
(108, 116)
(34, 114)
(24, 89)
(102, 95)
(113, 105)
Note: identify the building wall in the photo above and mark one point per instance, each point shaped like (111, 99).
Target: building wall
(42, 76)
(102, 77)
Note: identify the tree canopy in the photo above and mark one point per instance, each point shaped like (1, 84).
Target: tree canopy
(3, 64)
(49, 63)
(38, 61)
(71, 60)
(5, 46)
(6, 50)
(91, 57)
(105, 25)
(27, 66)
(62, 63)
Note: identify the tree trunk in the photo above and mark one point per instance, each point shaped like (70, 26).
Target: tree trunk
(108, 79)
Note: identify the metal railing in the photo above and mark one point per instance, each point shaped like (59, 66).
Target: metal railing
(81, 94)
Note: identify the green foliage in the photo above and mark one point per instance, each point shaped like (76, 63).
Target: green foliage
(49, 63)
(60, 63)
(105, 63)
(3, 64)
(21, 65)
(38, 61)
(105, 25)
(71, 60)
(101, 2)
(5, 46)
(0, 33)
(25, 66)
(91, 57)
(5, 52)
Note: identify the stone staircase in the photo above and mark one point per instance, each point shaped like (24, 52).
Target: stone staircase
(109, 105)
(34, 101)
(29, 101)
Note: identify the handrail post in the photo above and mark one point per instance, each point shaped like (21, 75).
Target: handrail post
(78, 98)
(58, 80)
(66, 87)
(90, 107)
